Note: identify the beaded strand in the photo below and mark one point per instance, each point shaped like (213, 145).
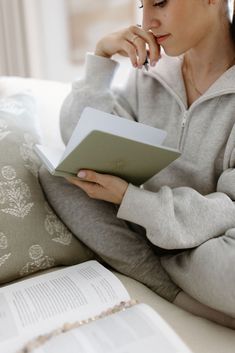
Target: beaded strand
(42, 339)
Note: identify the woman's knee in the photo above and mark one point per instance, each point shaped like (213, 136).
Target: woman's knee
(207, 273)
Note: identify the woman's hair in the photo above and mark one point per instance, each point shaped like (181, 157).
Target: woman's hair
(233, 23)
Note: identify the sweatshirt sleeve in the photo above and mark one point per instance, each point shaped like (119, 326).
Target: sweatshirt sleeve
(178, 218)
(94, 90)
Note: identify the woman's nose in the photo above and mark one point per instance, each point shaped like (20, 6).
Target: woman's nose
(149, 21)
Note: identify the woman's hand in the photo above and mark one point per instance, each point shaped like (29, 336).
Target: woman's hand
(130, 42)
(100, 186)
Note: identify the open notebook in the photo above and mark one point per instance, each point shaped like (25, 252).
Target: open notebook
(113, 145)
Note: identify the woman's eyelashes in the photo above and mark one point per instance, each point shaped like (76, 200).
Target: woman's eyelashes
(160, 3)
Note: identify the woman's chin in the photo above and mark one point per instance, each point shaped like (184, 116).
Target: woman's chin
(173, 51)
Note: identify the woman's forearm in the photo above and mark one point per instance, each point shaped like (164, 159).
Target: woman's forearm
(186, 302)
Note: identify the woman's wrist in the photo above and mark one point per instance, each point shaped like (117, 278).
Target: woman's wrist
(100, 52)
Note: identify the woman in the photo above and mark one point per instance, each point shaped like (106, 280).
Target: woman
(177, 233)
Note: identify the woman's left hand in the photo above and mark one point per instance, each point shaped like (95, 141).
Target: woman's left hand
(100, 186)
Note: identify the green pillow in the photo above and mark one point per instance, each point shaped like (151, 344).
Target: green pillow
(32, 237)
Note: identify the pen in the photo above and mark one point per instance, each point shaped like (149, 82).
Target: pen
(146, 63)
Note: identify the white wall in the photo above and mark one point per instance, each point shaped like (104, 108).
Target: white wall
(55, 41)
(49, 43)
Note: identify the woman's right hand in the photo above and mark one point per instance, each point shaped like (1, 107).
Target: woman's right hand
(131, 42)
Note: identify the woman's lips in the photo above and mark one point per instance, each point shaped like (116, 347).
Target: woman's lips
(161, 39)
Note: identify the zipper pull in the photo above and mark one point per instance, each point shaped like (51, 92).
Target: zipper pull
(184, 120)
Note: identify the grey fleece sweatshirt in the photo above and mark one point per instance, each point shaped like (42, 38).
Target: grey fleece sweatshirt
(192, 200)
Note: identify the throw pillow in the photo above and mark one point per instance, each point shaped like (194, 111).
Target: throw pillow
(32, 237)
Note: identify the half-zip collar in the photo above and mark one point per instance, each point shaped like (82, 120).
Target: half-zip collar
(168, 72)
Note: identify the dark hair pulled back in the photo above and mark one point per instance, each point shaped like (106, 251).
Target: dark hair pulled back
(233, 24)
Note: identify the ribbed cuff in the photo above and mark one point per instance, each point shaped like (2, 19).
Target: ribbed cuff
(130, 209)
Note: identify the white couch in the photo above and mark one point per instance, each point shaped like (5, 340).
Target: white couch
(202, 336)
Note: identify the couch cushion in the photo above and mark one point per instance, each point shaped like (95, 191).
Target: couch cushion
(200, 335)
(31, 236)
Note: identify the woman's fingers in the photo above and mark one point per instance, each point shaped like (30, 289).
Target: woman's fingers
(141, 50)
(100, 186)
(130, 51)
(133, 42)
(144, 42)
(154, 49)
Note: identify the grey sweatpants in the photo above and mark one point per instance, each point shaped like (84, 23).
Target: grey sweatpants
(207, 273)
(122, 245)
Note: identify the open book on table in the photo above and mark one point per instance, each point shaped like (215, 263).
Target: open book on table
(92, 297)
(113, 145)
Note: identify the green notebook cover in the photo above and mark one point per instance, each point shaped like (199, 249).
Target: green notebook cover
(133, 161)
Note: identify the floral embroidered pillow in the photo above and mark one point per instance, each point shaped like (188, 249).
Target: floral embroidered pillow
(32, 237)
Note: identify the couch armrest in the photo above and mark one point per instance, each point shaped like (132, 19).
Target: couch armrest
(49, 97)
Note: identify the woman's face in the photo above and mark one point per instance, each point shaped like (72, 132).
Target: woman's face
(186, 23)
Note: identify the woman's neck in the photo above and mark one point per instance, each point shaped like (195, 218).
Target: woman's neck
(205, 63)
(213, 55)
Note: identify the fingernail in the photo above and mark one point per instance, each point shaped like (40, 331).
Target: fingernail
(153, 63)
(81, 174)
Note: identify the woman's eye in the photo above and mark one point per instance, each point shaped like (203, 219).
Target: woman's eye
(161, 3)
